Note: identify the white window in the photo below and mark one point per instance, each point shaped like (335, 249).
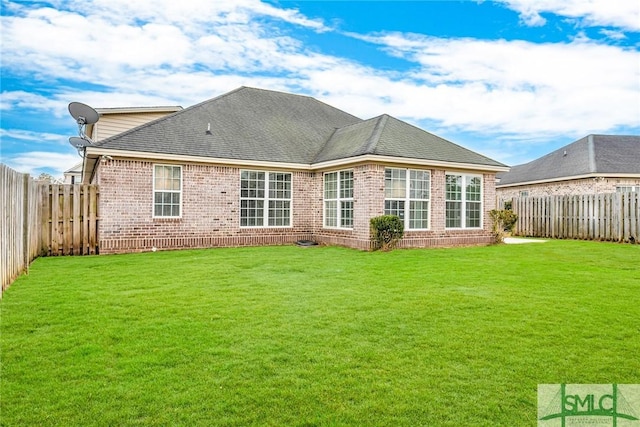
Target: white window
(338, 199)
(167, 191)
(524, 194)
(463, 201)
(408, 188)
(265, 199)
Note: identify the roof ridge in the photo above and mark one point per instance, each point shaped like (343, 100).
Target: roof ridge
(301, 96)
(374, 138)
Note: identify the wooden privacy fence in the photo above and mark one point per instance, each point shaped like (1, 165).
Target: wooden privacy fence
(614, 217)
(38, 218)
(19, 196)
(70, 219)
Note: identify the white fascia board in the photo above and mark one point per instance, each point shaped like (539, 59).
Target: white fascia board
(571, 178)
(97, 151)
(408, 161)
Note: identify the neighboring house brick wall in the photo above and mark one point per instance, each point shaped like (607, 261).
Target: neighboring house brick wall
(569, 187)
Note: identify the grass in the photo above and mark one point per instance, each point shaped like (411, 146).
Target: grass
(316, 336)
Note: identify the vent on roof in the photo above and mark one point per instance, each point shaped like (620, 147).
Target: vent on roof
(208, 132)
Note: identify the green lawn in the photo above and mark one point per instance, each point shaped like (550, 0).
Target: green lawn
(320, 336)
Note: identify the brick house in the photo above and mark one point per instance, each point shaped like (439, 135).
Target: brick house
(591, 165)
(259, 167)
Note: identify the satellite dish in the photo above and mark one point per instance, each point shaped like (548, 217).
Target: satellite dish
(78, 142)
(83, 114)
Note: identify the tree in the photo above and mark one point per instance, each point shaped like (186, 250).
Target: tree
(48, 178)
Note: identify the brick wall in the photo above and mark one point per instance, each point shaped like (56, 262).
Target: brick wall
(438, 235)
(211, 202)
(210, 210)
(570, 187)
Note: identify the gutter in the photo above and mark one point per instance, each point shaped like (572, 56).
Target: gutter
(571, 178)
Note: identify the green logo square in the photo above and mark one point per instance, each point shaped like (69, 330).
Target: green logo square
(603, 405)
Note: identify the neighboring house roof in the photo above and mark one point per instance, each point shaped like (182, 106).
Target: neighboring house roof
(593, 155)
(75, 169)
(267, 126)
(126, 110)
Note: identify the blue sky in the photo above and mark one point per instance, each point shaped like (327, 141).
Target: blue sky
(512, 79)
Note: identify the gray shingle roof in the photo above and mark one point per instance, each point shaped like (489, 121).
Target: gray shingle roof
(263, 125)
(247, 124)
(593, 154)
(388, 136)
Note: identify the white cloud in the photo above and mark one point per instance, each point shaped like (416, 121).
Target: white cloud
(613, 35)
(35, 137)
(149, 53)
(21, 99)
(623, 14)
(515, 87)
(37, 162)
(124, 45)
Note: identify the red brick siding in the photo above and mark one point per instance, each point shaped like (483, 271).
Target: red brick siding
(211, 202)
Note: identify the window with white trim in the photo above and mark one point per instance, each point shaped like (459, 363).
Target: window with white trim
(408, 188)
(167, 191)
(463, 201)
(338, 199)
(265, 199)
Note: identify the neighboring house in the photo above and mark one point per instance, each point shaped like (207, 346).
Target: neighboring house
(112, 122)
(73, 175)
(116, 120)
(258, 167)
(591, 165)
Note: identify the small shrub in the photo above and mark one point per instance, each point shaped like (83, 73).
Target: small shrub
(509, 220)
(386, 231)
(503, 221)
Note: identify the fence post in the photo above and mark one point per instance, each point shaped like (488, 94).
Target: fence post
(634, 215)
(25, 222)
